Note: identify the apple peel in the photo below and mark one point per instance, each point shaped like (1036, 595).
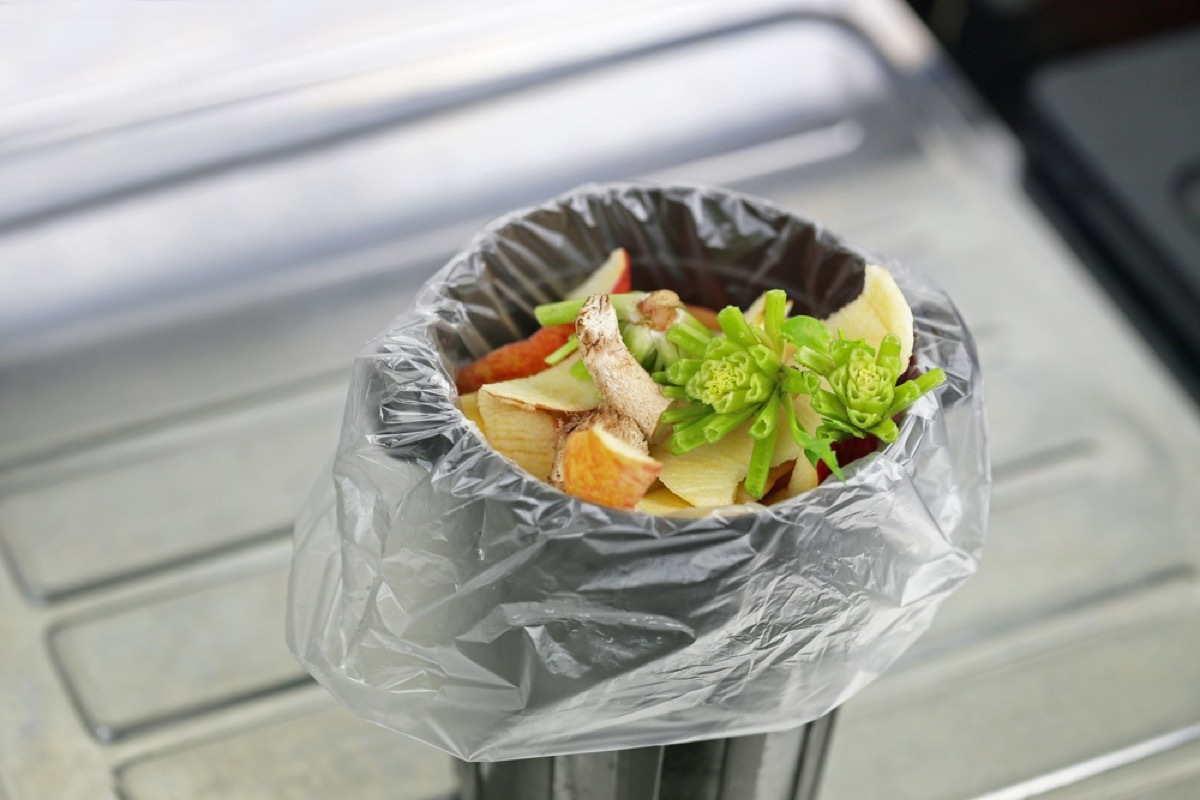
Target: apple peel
(528, 356)
(555, 389)
(602, 468)
(521, 432)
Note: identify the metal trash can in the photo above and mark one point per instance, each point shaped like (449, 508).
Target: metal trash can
(772, 766)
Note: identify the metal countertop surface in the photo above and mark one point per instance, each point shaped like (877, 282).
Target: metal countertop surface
(160, 429)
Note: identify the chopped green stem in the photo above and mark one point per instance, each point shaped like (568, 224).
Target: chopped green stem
(863, 420)
(722, 425)
(818, 362)
(731, 402)
(766, 359)
(774, 313)
(690, 436)
(766, 422)
(827, 404)
(789, 416)
(689, 339)
(816, 448)
(797, 382)
(683, 414)
(558, 355)
(580, 371)
(840, 349)
(734, 323)
(930, 380)
(682, 370)
(837, 429)
(674, 392)
(643, 343)
(760, 387)
(698, 421)
(720, 347)
(760, 466)
(889, 353)
(906, 394)
(560, 313)
(688, 321)
(886, 430)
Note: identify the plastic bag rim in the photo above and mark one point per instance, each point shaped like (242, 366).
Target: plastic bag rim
(858, 471)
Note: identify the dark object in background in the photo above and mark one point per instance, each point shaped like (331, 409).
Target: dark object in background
(1114, 149)
(999, 44)
(1104, 95)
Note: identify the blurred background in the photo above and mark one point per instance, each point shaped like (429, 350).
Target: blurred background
(207, 208)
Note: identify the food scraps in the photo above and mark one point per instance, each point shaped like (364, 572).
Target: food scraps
(635, 400)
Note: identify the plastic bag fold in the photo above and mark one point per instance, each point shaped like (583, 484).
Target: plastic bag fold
(439, 590)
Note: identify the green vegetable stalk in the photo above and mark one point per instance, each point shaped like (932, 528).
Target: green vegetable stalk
(754, 373)
(862, 396)
(750, 373)
(737, 377)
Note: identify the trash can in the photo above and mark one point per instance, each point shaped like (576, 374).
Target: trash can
(563, 649)
(771, 766)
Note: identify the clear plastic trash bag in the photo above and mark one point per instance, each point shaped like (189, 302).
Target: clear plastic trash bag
(439, 590)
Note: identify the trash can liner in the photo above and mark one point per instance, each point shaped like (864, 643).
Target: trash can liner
(439, 590)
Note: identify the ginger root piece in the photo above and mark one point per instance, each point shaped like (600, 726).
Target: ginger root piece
(625, 386)
(603, 456)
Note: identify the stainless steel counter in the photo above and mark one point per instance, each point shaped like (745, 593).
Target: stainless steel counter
(175, 336)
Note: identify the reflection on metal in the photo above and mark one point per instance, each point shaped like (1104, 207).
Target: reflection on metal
(791, 152)
(1044, 784)
(775, 766)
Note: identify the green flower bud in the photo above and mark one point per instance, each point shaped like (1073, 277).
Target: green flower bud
(864, 395)
(754, 371)
(865, 388)
(730, 383)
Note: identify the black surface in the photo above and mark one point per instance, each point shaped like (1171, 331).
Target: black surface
(999, 44)
(1114, 143)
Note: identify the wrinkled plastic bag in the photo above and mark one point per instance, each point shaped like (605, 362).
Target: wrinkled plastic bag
(439, 590)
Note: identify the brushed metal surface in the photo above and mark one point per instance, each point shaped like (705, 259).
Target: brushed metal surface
(133, 668)
(113, 424)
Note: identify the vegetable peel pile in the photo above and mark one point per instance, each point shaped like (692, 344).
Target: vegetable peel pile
(645, 406)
